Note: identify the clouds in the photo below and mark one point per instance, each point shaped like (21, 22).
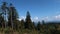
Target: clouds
(47, 18)
(22, 17)
(36, 18)
(52, 18)
(57, 17)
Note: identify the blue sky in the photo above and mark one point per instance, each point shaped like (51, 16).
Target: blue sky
(48, 10)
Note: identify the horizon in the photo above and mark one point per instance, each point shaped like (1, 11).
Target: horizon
(47, 10)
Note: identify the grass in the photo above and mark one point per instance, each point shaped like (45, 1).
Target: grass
(20, 31)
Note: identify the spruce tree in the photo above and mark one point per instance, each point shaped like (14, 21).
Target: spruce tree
(28, 22)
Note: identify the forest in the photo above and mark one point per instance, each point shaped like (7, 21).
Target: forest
(9, 23)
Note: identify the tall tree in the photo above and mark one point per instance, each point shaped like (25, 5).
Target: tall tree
(28, 22)
(4, 10)
(13, 17)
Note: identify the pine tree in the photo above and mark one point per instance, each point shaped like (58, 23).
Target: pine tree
(13, 17)
(28, 22)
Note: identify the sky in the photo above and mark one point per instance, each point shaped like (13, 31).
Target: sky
(48, 10)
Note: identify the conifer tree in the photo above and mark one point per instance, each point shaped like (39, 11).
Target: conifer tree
(38, 25)
(22, 24)
(34, 26)
(13, 17)
(28, 22)
(4, 10)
